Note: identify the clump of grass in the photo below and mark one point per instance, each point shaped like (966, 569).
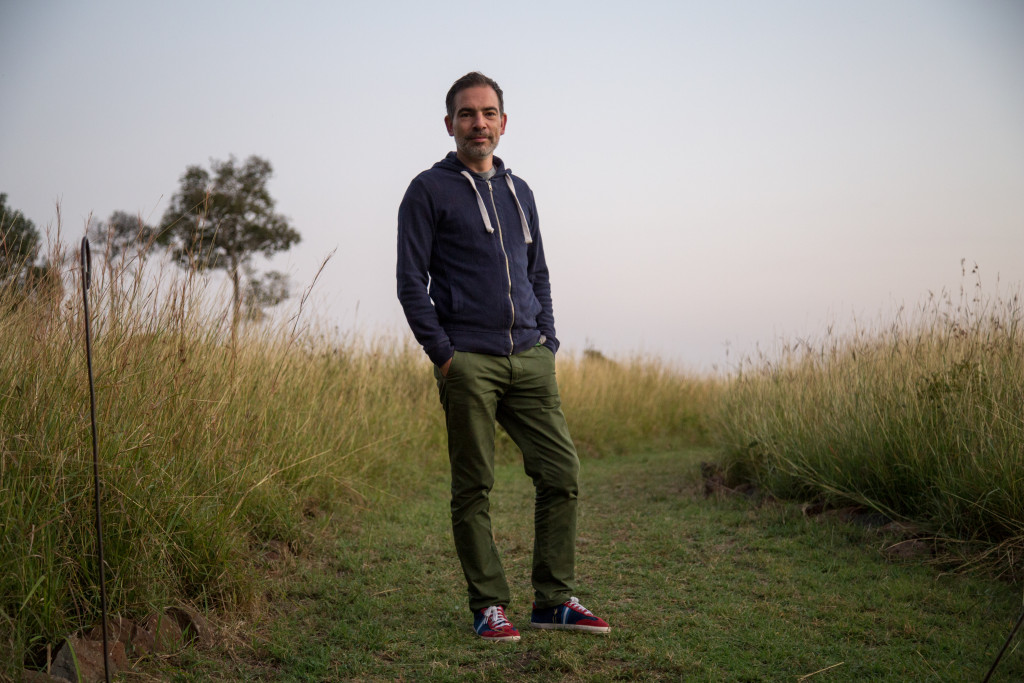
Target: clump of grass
(211, 446)
(922, 420)
(207, 449)
(618, 405)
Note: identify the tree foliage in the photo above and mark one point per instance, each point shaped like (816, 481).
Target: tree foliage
(25, 273)
(19, 245)
(222, 218)
(263, 292)
(122, 234)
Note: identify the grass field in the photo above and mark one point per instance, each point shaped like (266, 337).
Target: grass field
(717, 589)
(922, 420)
(212, 446)
(215, 448)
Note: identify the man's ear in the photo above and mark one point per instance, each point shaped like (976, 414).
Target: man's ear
(448, 125)
(504, 120)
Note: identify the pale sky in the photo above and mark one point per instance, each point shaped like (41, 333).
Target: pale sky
(709, 175)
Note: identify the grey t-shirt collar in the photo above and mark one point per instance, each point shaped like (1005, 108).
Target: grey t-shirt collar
(486, 175)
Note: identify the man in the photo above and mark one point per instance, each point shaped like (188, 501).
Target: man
(474, 285)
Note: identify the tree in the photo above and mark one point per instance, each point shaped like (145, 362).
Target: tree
(19, 245)
(222, 219)
(121, 233)
(263, 292)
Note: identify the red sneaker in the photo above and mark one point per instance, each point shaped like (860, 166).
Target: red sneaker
(491, 624)
(569, 616)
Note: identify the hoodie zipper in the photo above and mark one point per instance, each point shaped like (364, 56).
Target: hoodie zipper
(508, 271)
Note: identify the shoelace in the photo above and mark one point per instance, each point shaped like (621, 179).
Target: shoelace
(575, 604)
(495, 616)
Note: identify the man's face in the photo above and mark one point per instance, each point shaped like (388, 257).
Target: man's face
(477, 125)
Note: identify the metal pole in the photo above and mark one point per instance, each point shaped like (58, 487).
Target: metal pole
(1009, 639)
(86, 277)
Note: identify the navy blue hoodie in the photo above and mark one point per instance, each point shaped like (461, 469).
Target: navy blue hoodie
(471, 270)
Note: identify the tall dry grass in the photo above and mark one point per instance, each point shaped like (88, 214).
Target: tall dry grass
(616, 405)
(922, 420)
(210, 449)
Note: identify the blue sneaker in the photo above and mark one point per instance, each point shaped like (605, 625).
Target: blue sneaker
(569, 616)
(491, 624)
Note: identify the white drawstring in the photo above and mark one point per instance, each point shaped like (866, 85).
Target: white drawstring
(479, 202)
(522, 216)
(483, 207)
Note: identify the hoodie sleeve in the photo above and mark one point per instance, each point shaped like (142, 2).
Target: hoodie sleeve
(537, 270)
(416, 221)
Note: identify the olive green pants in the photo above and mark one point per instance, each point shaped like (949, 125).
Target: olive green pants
(520, 393)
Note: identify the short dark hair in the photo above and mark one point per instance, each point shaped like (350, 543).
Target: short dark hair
(472, 80)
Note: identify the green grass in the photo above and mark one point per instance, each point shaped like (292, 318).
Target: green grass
(715, 589)
(213, 446)
(214, 449)
(922, 420)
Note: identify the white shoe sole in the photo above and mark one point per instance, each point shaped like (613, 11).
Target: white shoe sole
(503, 639)
(573, 627)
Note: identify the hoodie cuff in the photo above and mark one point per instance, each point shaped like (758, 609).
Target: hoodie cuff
(550, 342)
(440, 356)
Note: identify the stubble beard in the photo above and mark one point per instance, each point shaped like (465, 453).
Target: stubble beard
(477, 150)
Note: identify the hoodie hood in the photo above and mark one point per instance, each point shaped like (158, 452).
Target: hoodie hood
(451, 162)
